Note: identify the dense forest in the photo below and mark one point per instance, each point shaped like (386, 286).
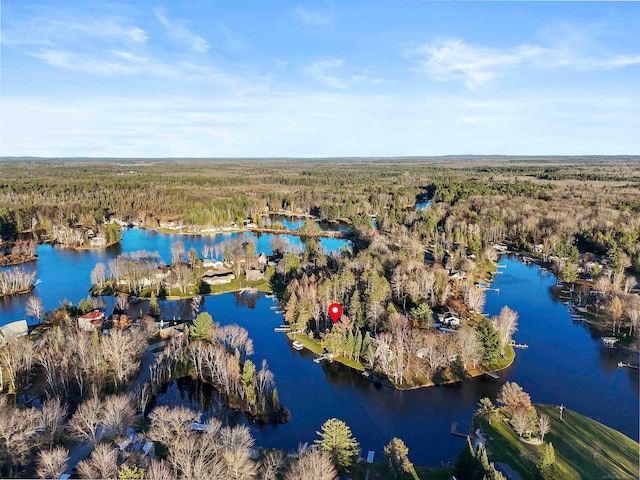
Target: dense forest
(408, 269)
(587, 202)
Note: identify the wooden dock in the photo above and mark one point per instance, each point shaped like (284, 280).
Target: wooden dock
(519, 345)
(628, 365)
(454, 431)
(493, 375)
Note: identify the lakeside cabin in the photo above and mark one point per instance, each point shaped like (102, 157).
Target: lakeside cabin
(91, 320)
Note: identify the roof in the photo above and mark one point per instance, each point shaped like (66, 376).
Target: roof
(14, 329)
(95, 315)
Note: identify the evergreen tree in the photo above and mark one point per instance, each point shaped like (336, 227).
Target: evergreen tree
(490, 341)
(154, 308)
(396, 453)
(202, 327)
(547, 464)
(358, 346)
(336, 439)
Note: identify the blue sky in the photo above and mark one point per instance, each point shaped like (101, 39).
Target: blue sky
(350, 78)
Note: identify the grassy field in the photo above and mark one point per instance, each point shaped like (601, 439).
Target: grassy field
(315, 347)
(584, 448)
(377, 471)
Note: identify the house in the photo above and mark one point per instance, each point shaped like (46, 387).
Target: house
(262, 260)
(13, 330)
(253, 275)
(218, 278)
(91, 320)
(539, 248)
(98, 241)
(212, 263)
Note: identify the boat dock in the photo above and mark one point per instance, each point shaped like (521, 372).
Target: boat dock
(627, 365)
(609, 342)
(493, 375)
(519, 345)
(282, 329)
(454, 431)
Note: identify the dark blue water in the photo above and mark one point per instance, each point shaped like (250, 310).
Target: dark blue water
(65, 273)
(564, 362)
(422, 205)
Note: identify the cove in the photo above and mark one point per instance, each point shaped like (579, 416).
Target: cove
(565, 363)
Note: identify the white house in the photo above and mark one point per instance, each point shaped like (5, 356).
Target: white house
(13, 330)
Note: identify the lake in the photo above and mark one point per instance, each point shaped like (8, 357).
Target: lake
(565, 363)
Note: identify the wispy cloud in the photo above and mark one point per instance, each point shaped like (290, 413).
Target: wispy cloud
(179, 31)
(325, 72)
(313, 17)
(49, 30)
(454, 59)
(322, 71)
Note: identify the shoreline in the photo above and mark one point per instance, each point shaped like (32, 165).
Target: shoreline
(11, 263)
(18, 292)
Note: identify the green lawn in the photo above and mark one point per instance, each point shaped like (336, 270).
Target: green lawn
(313, 345)
(504, 362)
(584, 448)
(377, 471)
(309, 343)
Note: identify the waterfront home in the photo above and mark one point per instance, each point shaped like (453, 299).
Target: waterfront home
(212, 263)
(13, 330)
(218, 278)
(89, 321)
(98, 241)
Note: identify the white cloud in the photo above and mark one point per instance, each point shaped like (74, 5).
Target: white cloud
(178, 30)
(321, 71)
(313, 17)
(279, 124)
(56, 29)
(454, 59)
(325, 72)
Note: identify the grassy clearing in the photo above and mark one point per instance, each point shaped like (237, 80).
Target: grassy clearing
(584, 448)
(313, 345)
(309, 343)
(377, 471)
(504, 362)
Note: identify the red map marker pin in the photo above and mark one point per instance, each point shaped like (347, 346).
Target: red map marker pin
(335, 310)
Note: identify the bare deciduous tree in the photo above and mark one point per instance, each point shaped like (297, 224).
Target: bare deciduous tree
(121, 350)
(513, 397)
(34, 308)
(53, 415)
(52, 463)
(544, 425)
(18, 433)
(103, 463)
(505, 324)
(159, 470)
(312, 465)
(117, 414)
(98, 274)
(271, 464)
(521, 421)
(84, 423)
